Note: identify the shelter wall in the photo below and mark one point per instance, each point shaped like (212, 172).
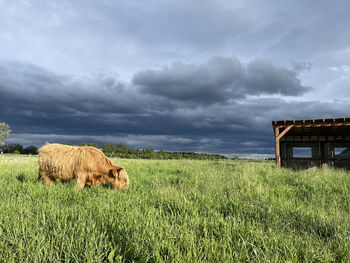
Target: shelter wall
(322, 154)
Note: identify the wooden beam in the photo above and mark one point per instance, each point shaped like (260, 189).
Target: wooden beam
(278, 154)
(318, 141)
(309, 125)
(331, 120)
(279, 136)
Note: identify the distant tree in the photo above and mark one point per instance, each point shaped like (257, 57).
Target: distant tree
(11, 148)
(148, 150)
(17, 152)
(121, 148)
(108, 148)
(5, 149)
(4, 134)
(30, 150)
(88, 144)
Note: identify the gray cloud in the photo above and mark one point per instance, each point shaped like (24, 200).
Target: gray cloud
(262, 77)
(316, 34)
(129, 35)
(28, 85)
(207, 83)
(43, 106)
(219, 80)
(77, 37)
(301, 66)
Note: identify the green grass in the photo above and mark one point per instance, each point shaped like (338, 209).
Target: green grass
(177, 211)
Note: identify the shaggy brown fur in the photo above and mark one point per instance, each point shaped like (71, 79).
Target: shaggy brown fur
(87, 164)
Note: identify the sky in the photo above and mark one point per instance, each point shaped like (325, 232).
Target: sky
(185, 75)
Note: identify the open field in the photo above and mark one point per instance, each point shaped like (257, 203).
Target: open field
(177, 211)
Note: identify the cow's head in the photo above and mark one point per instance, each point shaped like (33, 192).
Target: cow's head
(119, 178)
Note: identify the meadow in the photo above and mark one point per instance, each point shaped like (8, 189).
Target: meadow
(177, 211)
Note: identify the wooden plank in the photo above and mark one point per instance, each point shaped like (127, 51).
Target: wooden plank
(284, 132)
(324, 121)
(310, 125)
(278, 155)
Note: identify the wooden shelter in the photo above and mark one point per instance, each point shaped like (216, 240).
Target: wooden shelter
(322, 141)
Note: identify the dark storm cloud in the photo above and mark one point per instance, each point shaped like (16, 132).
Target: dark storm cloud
(262, 77)
(206, 83)
(38, 101)
(33, 88)
(43, 106)
(240, 128)
(219, 80)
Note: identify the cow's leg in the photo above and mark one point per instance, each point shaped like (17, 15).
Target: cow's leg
(47, 179)
(81, 179)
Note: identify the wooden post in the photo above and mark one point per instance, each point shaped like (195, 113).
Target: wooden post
(277, 140)
(278, 137)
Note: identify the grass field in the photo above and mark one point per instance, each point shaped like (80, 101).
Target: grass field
(177, 211)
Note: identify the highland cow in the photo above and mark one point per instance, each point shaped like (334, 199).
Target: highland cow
(87, 164)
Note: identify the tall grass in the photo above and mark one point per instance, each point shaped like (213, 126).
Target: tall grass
(177, 211)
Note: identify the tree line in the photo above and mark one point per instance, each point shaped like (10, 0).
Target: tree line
(111, 150)
(122, 151)
(19, 149)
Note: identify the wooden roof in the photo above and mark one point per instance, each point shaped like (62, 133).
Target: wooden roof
(312, 123)
(328, 129)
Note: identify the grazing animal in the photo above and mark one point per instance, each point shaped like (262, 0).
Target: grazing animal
(87, 164)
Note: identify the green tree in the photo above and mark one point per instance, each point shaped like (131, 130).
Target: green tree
(88, 144)
(4, 134)
(121, 148)
(30, 150)
(108, 148)
(11, 148)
